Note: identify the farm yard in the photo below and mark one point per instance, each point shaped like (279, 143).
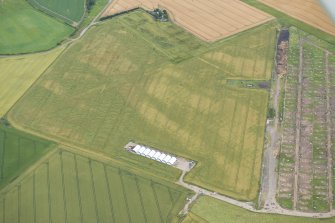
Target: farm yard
(310, 12)
(170, 93)
(73, 188)
(18, 73)
(70, 12)
(25, 30)
(17, 152)
(305, 163)
(202, 18)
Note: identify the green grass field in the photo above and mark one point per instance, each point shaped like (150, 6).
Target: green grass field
(18, 73)
(23, 29)
(68, 11)
(209, 210)
(119, 83)
(72, 188)
(17, 152)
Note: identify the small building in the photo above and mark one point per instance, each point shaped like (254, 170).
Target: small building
(167, 159)
(141, 150)
(146, 152)
(137, 148)
(157, 155)
(151, 154)
(161, 157)
(172, 160)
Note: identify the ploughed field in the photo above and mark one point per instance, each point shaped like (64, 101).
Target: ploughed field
(306, 163)
(210, 20)
(308, 11)
(70, 12)
(24, 29)
(18, 73)
(69, 187)
(134, 78)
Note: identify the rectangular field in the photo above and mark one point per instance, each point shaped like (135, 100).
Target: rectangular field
(101, 93)
(17, 152)
(18, 73)
(308, 11)
(24, 29)
(210, 20)
(73, 188)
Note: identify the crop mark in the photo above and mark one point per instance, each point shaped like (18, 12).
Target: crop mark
(240, 151)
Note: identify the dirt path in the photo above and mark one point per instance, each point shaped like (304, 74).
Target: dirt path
(269, 174)
(329, 139)
(298, 124)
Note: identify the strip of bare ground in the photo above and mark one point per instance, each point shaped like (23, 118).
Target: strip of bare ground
(298, 120)
(329, 139)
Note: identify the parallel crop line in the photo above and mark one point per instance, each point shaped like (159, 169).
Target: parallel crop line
(78, 188)
(141, 198)
(63, 185)
(152, 184)
(18, 203)
(49, 192)
(93, 190)
(125, 196)
(109, 193)
(3, 156)
(34, 196)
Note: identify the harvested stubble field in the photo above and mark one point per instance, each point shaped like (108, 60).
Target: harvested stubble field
(102, 92)
(72, 188)
(24, 29)
(17, 152)
(210, 20)
(68, 11)
(209, 210)
(18, 73)
(308, 11)
(305, 126)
